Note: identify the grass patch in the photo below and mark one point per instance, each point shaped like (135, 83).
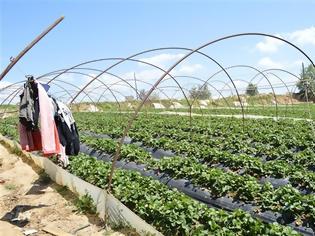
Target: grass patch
(44, 177)
(84, 204)
(62, 190)
(10, 186)
(16, 150)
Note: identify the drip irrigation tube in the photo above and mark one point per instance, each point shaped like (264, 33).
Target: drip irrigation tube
(184, 185)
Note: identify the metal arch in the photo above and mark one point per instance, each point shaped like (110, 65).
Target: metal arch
(193, 77)
(79, 68)
(209, 43)
(294, 89)
(225, 84)
(5, 110)
(189, 105)
(75, 72)
(75, 87)
(199, 105)
(258, 34)
(102, 94)
(108, 88)
(121, 79)
(290, 94)
(117, 83)
(10, 85)
(92, 69)
(123, 59)
(280, 80)
(117, 153)
(159, 90)
(23, 81)
(288, 72)
(98, 93)
(151, 50)
(259, 72)
(281, 70)
(241, 80)
(74, 91)
(307, 101)
(275, 76)
(118, 77)
(63, 93)
(20, 87)
(17, 91)
(270, 73)
(63, 88)
(278, 69)
(125, 80)
(227, 68)
(196, 78)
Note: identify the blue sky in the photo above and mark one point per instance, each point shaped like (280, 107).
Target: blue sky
(99, 29)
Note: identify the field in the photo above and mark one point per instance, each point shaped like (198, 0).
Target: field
(205, 176)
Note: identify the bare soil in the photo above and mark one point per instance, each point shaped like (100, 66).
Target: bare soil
(29, 200)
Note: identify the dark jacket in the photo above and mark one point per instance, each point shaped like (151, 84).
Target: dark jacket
(68, 135)
(29, 106)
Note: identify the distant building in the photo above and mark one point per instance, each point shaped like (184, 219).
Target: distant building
(158, 105)
(176, 105)
(129, 98)
(92, 108)
(238, 104)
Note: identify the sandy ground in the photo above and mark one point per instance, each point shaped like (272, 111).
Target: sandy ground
(32, 201)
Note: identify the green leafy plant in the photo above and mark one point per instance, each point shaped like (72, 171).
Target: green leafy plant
(85, 204)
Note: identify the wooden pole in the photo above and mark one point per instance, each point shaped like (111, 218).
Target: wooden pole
(28, 47)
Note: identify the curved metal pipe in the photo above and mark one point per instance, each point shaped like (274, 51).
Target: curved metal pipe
(103, 72)
(199, 79)
(151, 50)
(167, 72)
(84, 74)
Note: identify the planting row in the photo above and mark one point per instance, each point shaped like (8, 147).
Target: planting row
(298, 208)
(258, 138)
(169, 211)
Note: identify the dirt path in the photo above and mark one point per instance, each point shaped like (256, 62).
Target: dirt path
(32, 201)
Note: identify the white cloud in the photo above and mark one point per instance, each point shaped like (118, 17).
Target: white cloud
(8, 92)
(300, 37)
(189, 69)
(149, 76)
(268, 63)
(161, 59)
(269, 45)
(305, 36)
(4, 84)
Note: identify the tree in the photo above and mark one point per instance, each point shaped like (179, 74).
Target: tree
(251, 89)
(129, 98)
(141, 94)
(200, 92)
(306, 85)
(153, 96)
